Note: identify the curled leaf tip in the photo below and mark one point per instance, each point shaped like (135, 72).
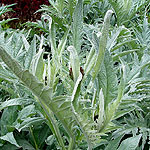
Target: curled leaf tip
(108, 14)
(70, 48)
(109, 11)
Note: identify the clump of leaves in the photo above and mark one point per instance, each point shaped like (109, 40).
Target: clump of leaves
(82, 98)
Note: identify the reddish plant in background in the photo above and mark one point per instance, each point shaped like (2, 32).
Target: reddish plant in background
(25, 9)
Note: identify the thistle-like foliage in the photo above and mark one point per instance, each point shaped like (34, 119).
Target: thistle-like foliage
(67, 111)
(85, 93)
(142, 34)
(57, 105)
(126, 9)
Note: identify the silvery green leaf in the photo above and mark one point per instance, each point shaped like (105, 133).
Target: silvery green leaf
(10, 138)
(77, 26)
(107, 79)
(101, 115)
(25, 42)
(50, 140)
(130, 143)
(14, 102)
(102, 44)
(37, 64)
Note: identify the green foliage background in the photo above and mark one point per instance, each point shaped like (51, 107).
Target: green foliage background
(78, 78)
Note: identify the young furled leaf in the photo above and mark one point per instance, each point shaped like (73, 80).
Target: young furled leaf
(77, 26)
(74, 61)
(102, 44)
